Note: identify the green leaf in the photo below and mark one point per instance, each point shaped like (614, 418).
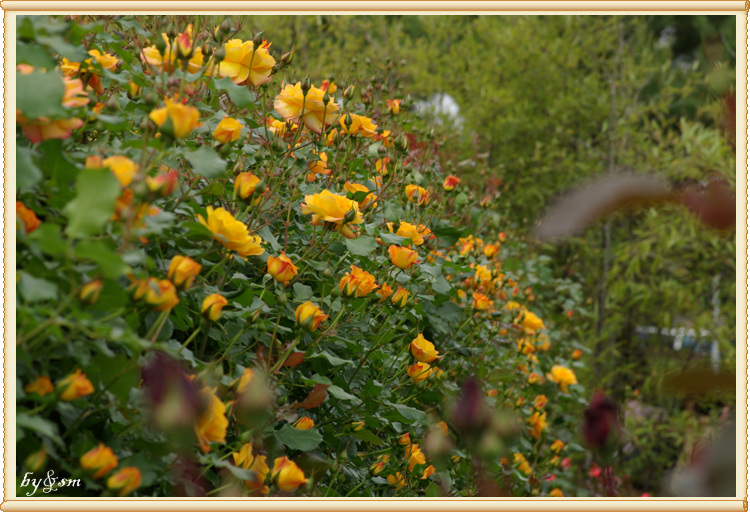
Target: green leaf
(434, 491)
(405, 413)
(296, 439)
(63, 48)
(94, 203)
(34, 55)
(441, 285)
(391, 238)
(40, 426)
(27, 173)
(240, 96)
(339, 393)
(265, 234)
(35, 289)
(335, 361)
(450, 235)
(47, 236)
(109, 370)
(362, 245)
(56, 166)
(302, 292)
(40, 95)
(206, 162)
(109, 262)
(367, 436)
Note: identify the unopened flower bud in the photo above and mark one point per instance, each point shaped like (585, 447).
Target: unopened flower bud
(382, 150)
(258, 39)
(305, 85)
(161, 45)
(326, 99)
(349, 92)
(112, 103)
(286, 59)
(220, 54)
(225, 26)
(151, 99)
(171, 31)
(348, 120)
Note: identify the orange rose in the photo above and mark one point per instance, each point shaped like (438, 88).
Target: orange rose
(309, 316)
(101, 458)
(281, 268)
(403, 257)
(27, 216)
(212, 306)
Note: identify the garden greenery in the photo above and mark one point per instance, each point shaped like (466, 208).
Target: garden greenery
(239, 277)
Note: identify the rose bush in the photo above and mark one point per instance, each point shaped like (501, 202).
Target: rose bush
(246, 284)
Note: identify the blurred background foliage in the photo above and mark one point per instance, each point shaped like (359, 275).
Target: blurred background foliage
(547, 102)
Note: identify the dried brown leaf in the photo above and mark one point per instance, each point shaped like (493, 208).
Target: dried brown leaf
(314, 397)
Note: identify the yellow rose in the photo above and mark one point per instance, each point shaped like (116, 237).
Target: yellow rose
(281, 268)
(417, 194)
(309, 316)
(228, 130)
(101, 458)
(357, 283)
(531, 322)
(165, 62)
(562, 376)
(393, 106)
(327, 207)
(182, 271)
(416, 233)
(403, 257)
(537, 422)
(414, 455)
(423, 350)
(287, 475)
(27, 216)
(380, 463)
(304, 423)
(319, 166)
(369, 198)
(75, 385)
(397, 480)
(400, 297)
(122, 167)
(90, 291)
(164, 183)
(241, 62)
(211, 426)
(255, 463)
(161, 294)
(419, 371)
(246, 184)
(212, 306)
(360, 125)
(523, 464)
(231, 233)
(450, 183)
(557, 446)
(183, 119)
(126, 480)
(291, 104)
(481, 302)
(41, 386)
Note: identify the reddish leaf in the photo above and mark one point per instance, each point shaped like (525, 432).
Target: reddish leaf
(294, 359)
(584, 205)
(715, 207)
(314, 397)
